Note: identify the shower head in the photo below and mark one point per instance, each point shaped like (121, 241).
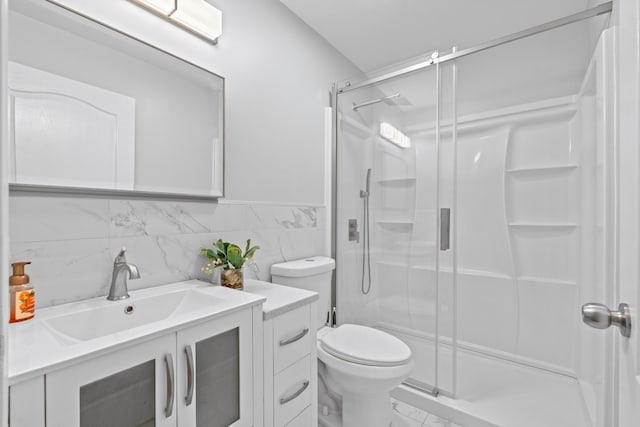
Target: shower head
(394, 99)
(365, 193)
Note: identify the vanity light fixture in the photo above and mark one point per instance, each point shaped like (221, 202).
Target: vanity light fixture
(393, 135)
(197, 16)
(162, 7)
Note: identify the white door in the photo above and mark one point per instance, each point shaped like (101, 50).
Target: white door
(628, 349)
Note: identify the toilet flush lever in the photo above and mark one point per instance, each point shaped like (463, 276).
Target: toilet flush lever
(600, 317)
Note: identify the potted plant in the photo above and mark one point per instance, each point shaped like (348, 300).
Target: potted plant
(229, 257)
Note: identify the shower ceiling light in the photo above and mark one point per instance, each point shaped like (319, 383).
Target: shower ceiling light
(197, 16)
(391, 134)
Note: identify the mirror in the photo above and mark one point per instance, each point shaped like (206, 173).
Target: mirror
(92, 108)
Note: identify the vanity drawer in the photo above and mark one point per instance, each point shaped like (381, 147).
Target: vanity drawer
(302, 420)
(292, 337)
(292, 391)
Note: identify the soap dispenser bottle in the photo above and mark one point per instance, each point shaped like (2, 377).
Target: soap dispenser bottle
(21, 294)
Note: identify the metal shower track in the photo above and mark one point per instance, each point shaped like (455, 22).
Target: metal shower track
(580, 16)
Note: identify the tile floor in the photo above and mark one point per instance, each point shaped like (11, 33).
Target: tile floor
(414, 417)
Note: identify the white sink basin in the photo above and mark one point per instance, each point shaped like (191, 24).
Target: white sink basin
(62, 334)
(108, 317)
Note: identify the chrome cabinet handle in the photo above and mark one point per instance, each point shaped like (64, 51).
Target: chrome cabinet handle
(168, 364)
(293, 339)
(190, 375)
(288, 399)
(600, 317)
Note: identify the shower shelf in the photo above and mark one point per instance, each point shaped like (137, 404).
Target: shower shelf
(547, 280)
(397, 180)
(542, 225)
(392, 264)
(543, 169)
(464, 272)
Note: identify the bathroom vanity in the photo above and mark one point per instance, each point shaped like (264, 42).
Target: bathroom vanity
(290, 367)
(167, 356)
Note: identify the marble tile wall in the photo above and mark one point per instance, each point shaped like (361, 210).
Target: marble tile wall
(72, 240)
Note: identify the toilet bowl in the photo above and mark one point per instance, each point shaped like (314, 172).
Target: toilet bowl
(358, 364)
(363, 365)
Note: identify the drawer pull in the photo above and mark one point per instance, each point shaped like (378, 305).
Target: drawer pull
(291, 340)
(288, 399)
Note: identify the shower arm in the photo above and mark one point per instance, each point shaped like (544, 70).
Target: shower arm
(374, 101)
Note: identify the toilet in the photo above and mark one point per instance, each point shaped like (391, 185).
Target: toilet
(359, 364)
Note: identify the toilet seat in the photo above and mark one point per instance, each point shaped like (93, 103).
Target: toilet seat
(365, 346)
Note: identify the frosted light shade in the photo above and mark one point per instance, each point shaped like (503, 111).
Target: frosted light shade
(164, 7)
(200, 17)
(391, 134)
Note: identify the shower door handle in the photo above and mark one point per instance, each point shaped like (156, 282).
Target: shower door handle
(445, 229)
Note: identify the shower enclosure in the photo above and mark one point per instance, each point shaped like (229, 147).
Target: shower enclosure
(473, 217)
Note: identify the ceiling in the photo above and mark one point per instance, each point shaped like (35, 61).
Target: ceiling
(376, 33)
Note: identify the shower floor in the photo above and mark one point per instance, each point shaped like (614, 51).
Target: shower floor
(497, 392)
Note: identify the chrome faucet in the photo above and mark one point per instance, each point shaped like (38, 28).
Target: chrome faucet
(120, 266)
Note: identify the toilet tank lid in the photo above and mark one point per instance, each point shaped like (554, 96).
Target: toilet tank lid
(303, 267)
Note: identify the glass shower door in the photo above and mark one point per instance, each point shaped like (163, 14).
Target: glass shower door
(388, 212)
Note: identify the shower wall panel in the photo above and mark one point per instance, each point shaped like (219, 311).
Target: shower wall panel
(512, 253)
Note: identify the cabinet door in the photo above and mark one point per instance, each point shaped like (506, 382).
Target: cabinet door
(131, 387)
(215, 370)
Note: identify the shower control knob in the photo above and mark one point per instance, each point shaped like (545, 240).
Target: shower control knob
(600, 317)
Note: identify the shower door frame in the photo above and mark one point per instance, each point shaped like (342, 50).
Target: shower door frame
(435, 60)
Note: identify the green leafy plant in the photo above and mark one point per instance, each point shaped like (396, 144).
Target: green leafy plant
(227, 255)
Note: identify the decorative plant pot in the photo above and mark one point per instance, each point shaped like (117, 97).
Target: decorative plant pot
(232, 278)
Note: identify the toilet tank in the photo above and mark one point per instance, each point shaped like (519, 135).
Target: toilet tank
(312, 274)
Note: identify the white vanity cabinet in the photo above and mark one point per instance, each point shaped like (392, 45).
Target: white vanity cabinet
(290, 370)
(290, 355)
(198, 373)
(198, 376)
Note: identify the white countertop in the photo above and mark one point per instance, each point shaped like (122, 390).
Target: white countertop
(280, 298)
(35, 348)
